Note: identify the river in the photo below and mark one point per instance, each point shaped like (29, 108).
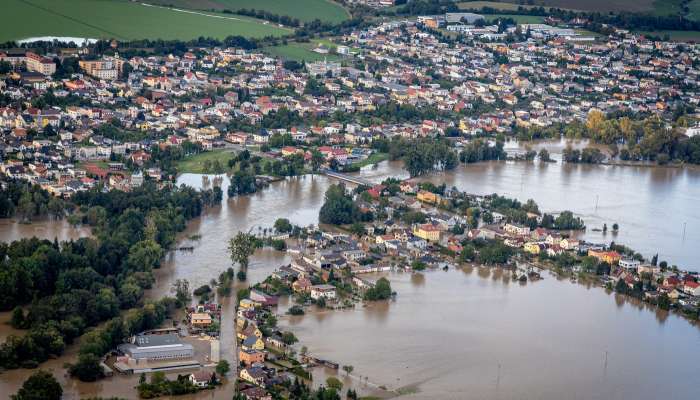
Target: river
(447, 333)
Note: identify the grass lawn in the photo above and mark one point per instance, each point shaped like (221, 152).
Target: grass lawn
(301, 52)
(195, 164)
(304, 10)
(374, 158)
(120, 19)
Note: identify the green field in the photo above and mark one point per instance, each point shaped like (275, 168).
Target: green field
(374, 158)
(694, 10)
(599, 5)
(504, 6)
(679, 36)
(304, 10)
(301, 52)
(120, 19)
(195, 164)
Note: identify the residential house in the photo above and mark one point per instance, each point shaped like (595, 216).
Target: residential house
(323, 291)
(254, 375)
(428, 232)
(200, 320)
(253, 342)
(249, 357)
(201, 379)
(610, 257)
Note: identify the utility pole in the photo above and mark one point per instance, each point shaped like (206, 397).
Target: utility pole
(684, 225)
(596, 204)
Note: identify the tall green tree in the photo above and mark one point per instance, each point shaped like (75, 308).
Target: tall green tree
(41, 385)
(241, 247)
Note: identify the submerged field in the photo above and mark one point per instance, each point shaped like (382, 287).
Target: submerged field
(122, 20)
(304, 10)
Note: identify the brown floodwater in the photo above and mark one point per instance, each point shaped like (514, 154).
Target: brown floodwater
(447, 333)
(11, 230)
(474, 334)
(656, 208)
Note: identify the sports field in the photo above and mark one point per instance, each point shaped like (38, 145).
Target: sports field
(302, 51)
(304, 10)
(121, 19)
(195, 164)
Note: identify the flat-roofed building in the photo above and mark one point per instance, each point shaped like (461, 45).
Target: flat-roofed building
(157, 348)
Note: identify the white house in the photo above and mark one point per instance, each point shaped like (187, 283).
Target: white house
(629, 264)
(323, 291)
(201, 378)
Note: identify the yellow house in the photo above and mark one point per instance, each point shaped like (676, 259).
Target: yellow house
(253, 342)
(610, 257)
(427, 232)
(246, 304)
(532, 247)
(428, 197)
(249, 330)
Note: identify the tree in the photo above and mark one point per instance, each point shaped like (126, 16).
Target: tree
(288, 338)
(241, 247)
(316, 160)
(348, 369)
(589, 264)
(41, 385)
(567, 220)
(145, 255)
(380, 291)
(357, 229)
(87, 369)
(338, 207)
(223, 367)
(334, 383)
(283, 225)
(17, 320)
(181, 288)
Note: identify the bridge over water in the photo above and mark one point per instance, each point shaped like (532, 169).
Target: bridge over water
(356, 180)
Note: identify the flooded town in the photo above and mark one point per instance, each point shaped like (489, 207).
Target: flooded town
(450, 208)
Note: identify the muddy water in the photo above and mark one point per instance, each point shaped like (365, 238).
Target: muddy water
(475, 334)
(656, 208)
(447, 332)
(11, 230)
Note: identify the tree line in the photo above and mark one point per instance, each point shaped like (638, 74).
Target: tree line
(29, 201)
(58, 290)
